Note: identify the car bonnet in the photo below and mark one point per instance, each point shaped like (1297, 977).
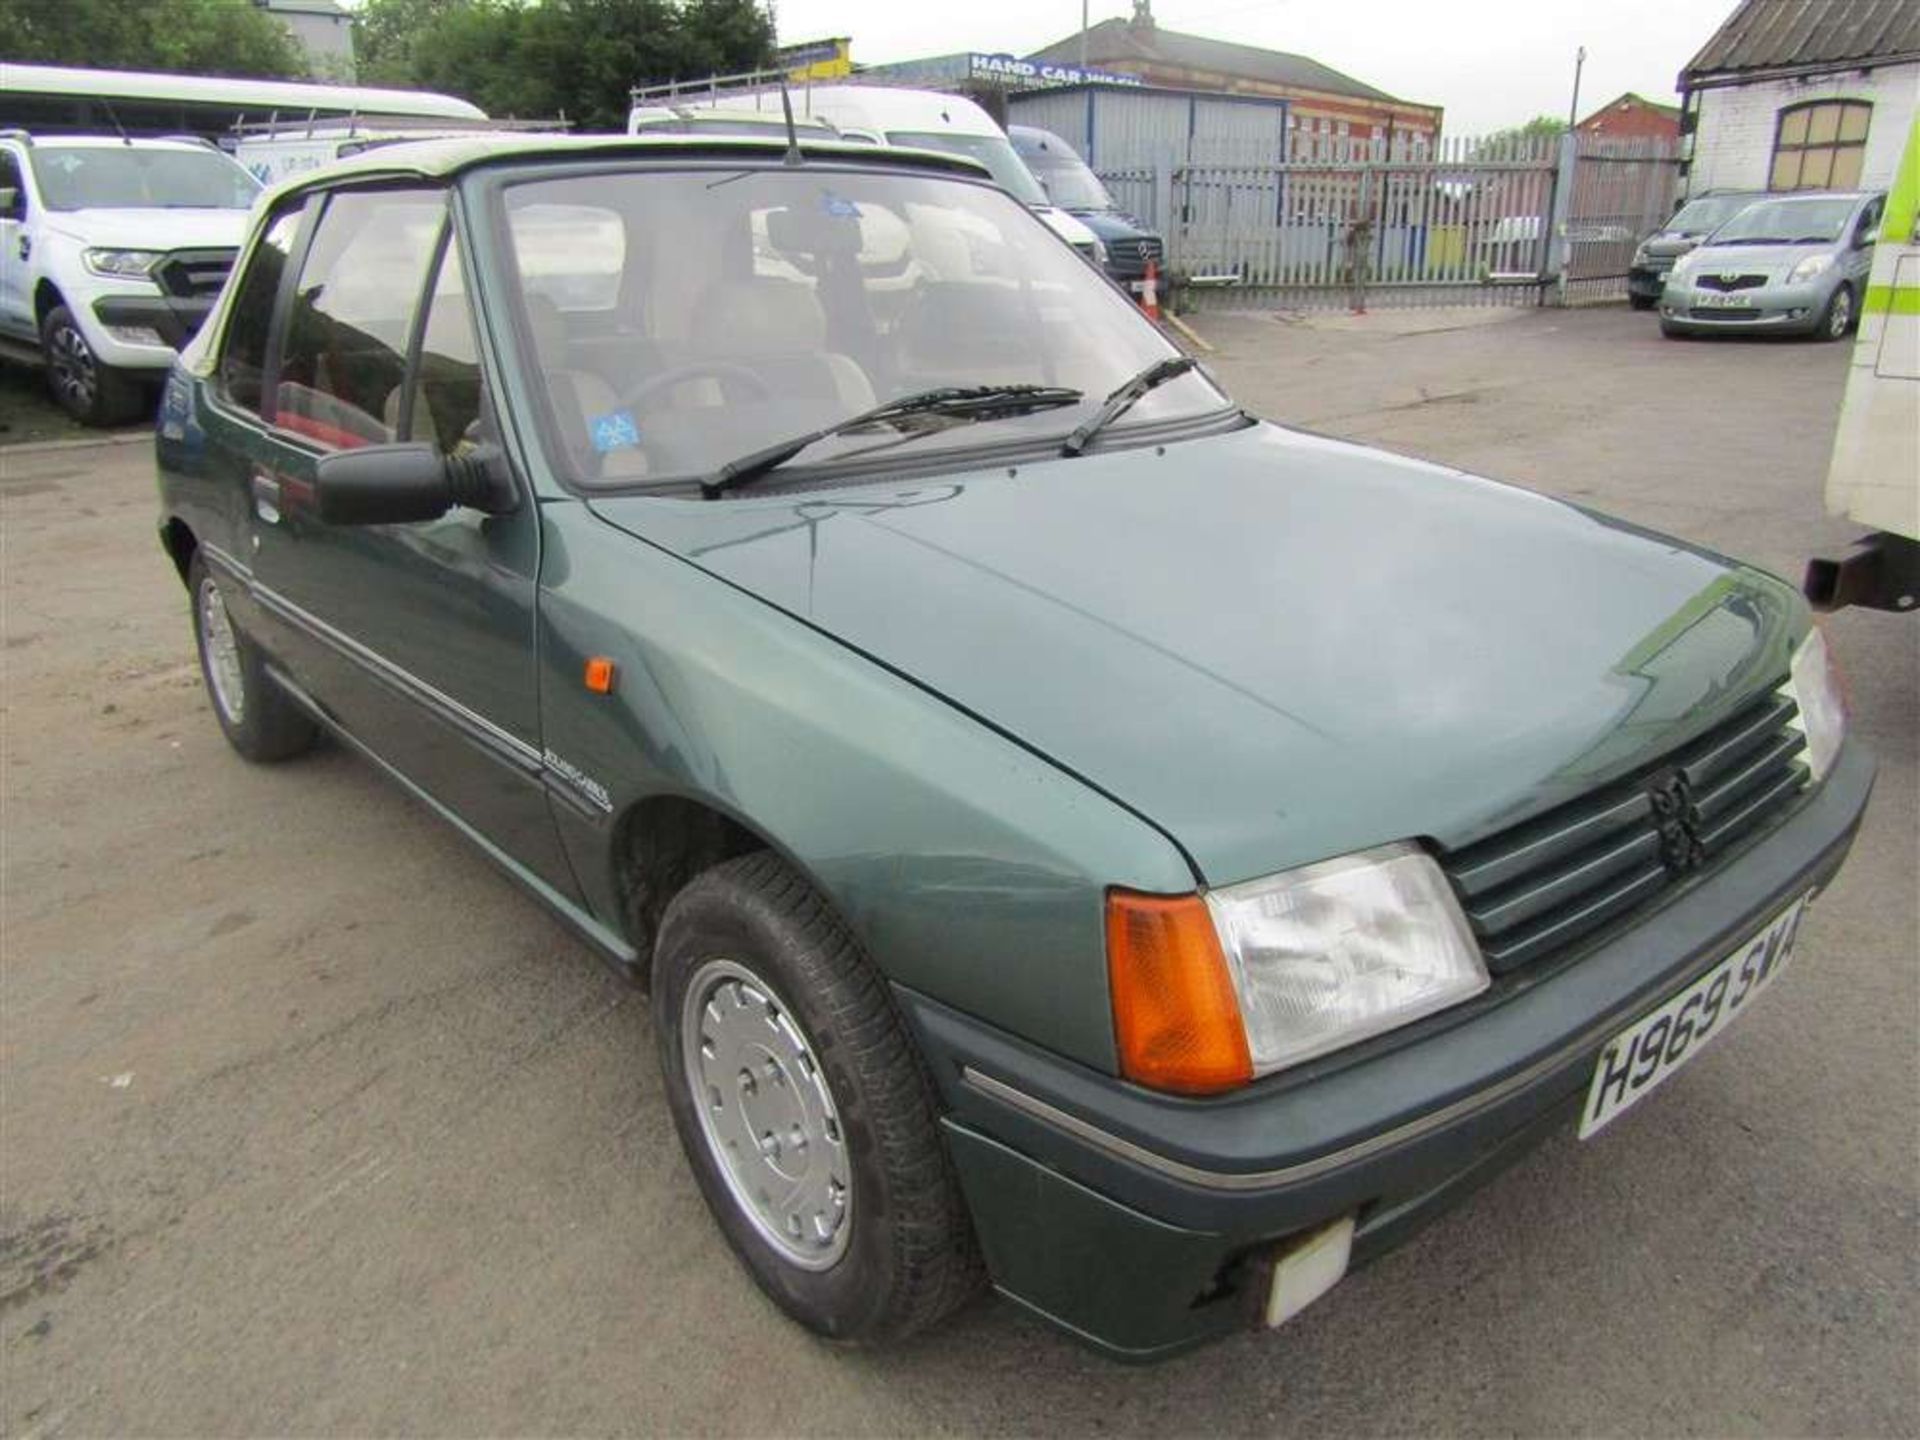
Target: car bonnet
(1276, 647)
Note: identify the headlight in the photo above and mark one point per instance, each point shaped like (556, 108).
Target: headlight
(1100, 252)
(1640, 256)
(1815, 683)
(1682, 270)
(1808, 268)
(121, 264)
(1209, 993)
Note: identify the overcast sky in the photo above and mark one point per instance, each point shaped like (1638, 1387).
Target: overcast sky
(1490, 62)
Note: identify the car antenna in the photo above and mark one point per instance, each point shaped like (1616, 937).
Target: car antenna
(125, 139)
(793, 135)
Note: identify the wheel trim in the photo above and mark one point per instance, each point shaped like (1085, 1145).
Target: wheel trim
(1840, 313)
(75, 375)
(221, 646)
(767, 1115)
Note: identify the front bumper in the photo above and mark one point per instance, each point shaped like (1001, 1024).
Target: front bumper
(1147, 1224)
(1789, 309)
(1648, 281)
(175, 319)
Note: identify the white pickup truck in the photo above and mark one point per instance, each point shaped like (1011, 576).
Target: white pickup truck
(111, 252)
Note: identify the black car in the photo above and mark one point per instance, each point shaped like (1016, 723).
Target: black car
(1691, 223)
(1074, 187)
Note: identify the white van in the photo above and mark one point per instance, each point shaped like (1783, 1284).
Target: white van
(923, 119)
(276, 151)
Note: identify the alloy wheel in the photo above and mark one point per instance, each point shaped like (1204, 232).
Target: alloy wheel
(75, 373)
(1840, 313)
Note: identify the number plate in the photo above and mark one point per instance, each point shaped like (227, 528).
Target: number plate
(1641, 1057)
(1712, 300)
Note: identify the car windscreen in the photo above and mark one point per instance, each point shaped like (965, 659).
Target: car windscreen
(1702, 216)
(1068, 181)
(1787, 221)
(127, 177)
(995, 152)
(679, 319)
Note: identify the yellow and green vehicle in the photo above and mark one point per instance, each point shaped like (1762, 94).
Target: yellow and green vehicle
(1875, 474)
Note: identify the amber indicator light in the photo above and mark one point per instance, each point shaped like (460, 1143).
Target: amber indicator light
(1176, 1019)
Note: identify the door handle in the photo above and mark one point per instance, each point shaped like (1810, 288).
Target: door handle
(266, 496)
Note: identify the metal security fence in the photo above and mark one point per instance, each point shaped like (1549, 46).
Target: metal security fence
(1358, 223)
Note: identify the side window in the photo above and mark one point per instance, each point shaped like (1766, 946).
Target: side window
(1869, 220)
(447, 404)
(10, 180)
(344, 358)
(243, 359)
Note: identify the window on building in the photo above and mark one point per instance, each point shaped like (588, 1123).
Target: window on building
(1819, 145)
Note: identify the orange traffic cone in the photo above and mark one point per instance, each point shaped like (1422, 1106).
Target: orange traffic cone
(1150, 291)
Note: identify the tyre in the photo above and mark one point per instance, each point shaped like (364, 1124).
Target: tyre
(803, 1108)
(1641, 302)
(1673, 332)
(1837, 319)
(254, 713)
(92, 393)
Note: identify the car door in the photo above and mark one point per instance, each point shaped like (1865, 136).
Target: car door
(16, 298)
(418, 639)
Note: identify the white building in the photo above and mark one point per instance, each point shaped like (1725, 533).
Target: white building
(323, 30)
(1802, 95)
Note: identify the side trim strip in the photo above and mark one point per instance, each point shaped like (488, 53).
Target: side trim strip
(612, 945)
(503, 742)
(1233, 1180)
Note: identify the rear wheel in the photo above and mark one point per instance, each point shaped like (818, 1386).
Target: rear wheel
(803, 1108)
(89, 391)
(254, 713)
(1837, 319)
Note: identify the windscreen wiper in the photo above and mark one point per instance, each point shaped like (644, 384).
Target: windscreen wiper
(956, 402)
(1122, 400)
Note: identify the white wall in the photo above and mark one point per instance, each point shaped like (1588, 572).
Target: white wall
(1733, 142)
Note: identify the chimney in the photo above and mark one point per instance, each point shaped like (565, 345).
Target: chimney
(1142, 22)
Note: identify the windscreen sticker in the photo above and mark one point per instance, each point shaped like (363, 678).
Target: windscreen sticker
(614, 431)
(839, 205)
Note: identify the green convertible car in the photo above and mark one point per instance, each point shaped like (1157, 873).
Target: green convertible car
(1077, 836)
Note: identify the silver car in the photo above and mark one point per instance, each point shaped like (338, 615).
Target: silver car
(1792, 264)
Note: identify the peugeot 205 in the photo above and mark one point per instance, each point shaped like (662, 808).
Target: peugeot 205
(1076, 836)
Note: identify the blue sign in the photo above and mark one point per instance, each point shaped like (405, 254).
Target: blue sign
(615, 431)
(1011, 69)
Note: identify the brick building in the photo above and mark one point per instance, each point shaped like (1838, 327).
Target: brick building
(1802, 95)
(1633, 117)
(1321, 100)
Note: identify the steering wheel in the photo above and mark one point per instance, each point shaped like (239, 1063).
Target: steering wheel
(699, 370)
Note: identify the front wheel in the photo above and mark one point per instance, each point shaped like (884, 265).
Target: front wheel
(254, 713)
(803, 1108)
(1641, 302)
(91, 392)
(1837, 318)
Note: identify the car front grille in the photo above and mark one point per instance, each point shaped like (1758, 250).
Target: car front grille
(1725, 283)
(193, 274)
(1537, 887)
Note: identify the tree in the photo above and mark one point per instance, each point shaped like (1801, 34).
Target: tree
(537, 58)
(200, 37)
(1527, 137)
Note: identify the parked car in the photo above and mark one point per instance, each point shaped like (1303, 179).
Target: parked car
(1794, 264)
(1074, 187)
(111, 251)
(928, 120)
(1055, 853)
(1690, 224)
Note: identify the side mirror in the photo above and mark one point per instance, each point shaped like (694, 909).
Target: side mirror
(13, 204)
(407, 483)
